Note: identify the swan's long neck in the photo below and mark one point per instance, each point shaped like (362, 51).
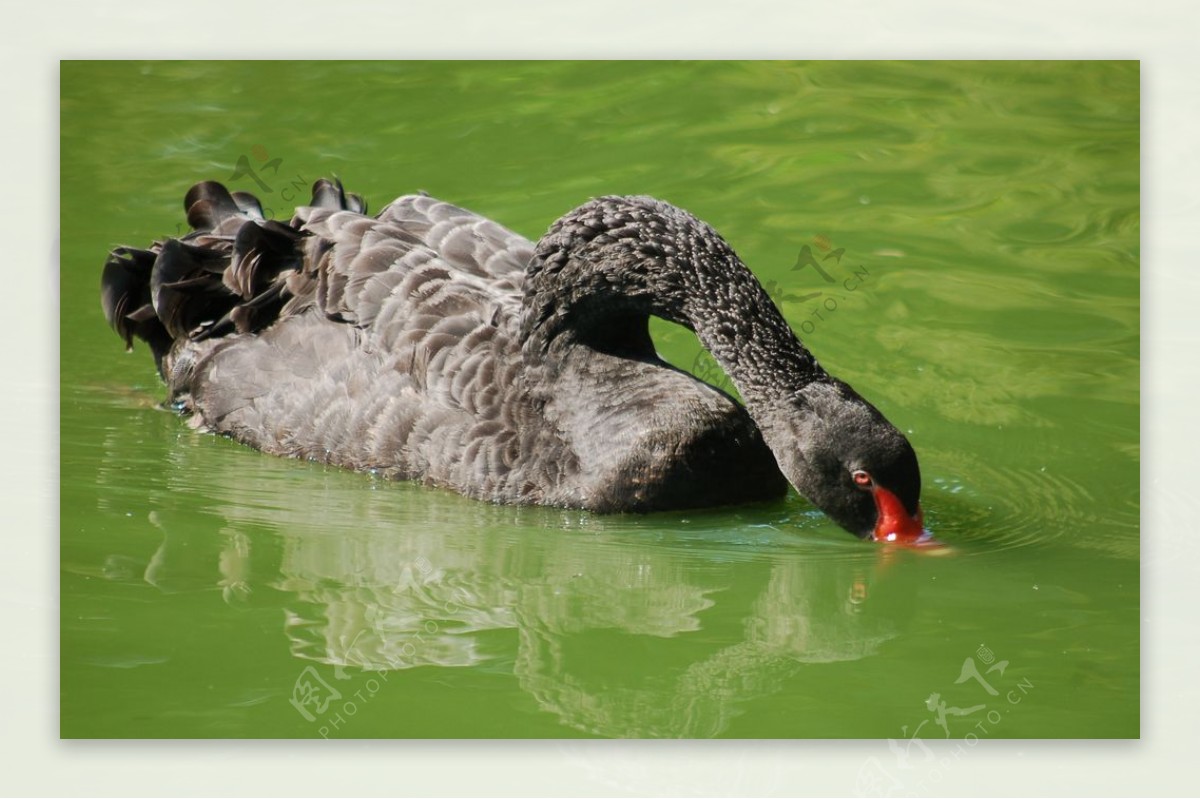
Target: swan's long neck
(605, 267)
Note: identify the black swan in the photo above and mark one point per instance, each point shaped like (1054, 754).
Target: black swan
(432, 344)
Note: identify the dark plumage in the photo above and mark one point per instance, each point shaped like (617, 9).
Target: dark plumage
(429, 343)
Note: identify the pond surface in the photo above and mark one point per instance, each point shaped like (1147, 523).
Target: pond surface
(957, 241)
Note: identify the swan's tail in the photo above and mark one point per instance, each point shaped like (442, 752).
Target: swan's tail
(236, 272)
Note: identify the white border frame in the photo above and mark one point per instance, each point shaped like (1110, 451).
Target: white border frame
(1161, 34)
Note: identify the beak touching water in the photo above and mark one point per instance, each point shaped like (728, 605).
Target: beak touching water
(895, 524)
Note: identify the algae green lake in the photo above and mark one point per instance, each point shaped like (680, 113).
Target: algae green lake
(959, 241)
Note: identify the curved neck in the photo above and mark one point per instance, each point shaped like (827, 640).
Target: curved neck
(604, 268)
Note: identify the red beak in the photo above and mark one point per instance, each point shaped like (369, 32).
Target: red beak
(895, 524)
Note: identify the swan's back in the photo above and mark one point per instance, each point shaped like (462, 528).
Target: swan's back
(353, 338)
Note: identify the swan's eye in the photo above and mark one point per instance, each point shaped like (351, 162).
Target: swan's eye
(861, 478)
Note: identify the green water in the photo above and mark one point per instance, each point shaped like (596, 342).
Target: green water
(976, 226)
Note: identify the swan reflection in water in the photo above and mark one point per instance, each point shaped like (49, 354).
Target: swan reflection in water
(393, 602)
(619, 627)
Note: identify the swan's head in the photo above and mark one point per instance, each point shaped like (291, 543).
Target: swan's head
(847, 459)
